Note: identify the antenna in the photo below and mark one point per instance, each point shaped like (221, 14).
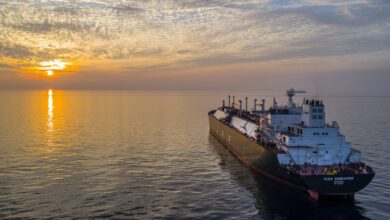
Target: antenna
(262, 105)
(290, 93)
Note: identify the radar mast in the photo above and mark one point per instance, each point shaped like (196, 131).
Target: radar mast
(290, 93)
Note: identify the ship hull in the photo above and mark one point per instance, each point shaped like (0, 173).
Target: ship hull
(265, 162)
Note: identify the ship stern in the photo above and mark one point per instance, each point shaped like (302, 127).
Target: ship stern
(336, 185)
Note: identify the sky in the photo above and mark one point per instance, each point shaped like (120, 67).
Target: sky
(329, 47)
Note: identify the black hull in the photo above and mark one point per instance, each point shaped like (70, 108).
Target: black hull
(265, 162)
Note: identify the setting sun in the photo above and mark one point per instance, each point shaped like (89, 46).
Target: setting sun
(53, 65)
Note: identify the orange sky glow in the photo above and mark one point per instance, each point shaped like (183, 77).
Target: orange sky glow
(197, 44)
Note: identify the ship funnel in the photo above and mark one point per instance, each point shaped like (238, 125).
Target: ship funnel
(229, 101)
(223, 103)
(233, 99)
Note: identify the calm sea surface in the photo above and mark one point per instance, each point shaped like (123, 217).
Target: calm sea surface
(145, 155)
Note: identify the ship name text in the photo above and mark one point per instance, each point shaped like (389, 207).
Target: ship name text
(339, 180)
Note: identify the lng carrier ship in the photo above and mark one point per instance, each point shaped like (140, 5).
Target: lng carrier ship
(292, 144)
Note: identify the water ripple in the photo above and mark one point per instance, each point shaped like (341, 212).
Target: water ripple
(132, 160)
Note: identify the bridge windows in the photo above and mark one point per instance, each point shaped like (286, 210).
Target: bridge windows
(295, 130)
(315, 117)
(317, 110)
(317, 133)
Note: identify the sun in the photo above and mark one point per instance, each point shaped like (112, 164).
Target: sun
(53, 65)
(48, 67)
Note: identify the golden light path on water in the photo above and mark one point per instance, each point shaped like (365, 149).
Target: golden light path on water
(50, 111)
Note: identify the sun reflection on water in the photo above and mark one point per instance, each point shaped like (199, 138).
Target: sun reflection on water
(50, 111)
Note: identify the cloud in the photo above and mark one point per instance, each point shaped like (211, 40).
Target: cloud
(14, 51)
(127, 9)
(174, 34)
(120, 52)
(46, 26)
(354, 15)
(4, 66)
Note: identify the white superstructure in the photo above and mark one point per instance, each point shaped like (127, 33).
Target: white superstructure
(303, 131)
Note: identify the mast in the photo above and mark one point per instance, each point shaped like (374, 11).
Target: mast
(290, 93)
